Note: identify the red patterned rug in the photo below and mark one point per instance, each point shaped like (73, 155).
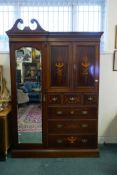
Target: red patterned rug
(29, 118)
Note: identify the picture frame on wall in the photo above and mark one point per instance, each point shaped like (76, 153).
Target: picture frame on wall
(115, 61)
(116, 37)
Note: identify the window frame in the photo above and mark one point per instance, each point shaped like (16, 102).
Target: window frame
(73, 18)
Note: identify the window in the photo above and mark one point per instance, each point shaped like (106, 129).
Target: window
(88, 18)
(51, 18)
(53, 15)
(6, 21)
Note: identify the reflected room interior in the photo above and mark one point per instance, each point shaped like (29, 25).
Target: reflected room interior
(28, 83)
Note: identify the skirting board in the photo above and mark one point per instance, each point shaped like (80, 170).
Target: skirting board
(107, 139)
(55, 153)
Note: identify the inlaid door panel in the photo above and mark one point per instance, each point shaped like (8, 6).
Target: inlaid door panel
(85, 65)
(59, 65)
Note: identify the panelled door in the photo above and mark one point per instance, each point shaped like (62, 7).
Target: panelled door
(85, 66)
(59, 66)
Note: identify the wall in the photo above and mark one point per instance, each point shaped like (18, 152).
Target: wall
(108, 80)
(107, 100)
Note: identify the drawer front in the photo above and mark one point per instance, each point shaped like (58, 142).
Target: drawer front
(54, 99)
(72, 113)
(64, 99)
(90, 99)
(70, 126)
(72, 141)
(72, 99)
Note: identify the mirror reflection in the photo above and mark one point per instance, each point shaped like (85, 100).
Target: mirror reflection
(28, 83)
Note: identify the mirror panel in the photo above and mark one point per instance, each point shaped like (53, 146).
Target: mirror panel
(29, 96)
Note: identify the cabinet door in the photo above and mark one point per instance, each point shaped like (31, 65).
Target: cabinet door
(59, 69)
(85, 66)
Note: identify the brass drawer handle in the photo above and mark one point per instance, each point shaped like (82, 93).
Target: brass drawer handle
(72, 112)
(59, 141)
(72, 98)
(96, 80)
(59, 112)
(84, 140)
(54, 99)
(59, 126)
(84, 125)
(90, 98)
(84, 112)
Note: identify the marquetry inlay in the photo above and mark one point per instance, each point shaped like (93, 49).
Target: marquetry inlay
(71, 139)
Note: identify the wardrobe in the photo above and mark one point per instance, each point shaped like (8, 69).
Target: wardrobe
(69, 91)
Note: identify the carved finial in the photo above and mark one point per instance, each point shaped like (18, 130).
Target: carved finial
(15, 28)
(39, 28)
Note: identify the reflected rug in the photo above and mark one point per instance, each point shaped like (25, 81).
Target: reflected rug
(29, 118)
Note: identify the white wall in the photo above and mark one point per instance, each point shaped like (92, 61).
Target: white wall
(107, 100)
(111, 22)
(108, 80)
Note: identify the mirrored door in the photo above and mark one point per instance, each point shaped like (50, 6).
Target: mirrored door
(29, 94)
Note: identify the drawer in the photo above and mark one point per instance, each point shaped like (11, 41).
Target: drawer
(90, 99)
(72, 99)
(72, 126)
(73, 141)
(54, 99)
(72, 113)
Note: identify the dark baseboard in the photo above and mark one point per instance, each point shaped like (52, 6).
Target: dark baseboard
(55, 153)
